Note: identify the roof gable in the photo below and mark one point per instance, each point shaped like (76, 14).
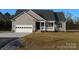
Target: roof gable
(13, 19)
(24, 19)
(30, 13)
(36, 16)
(59, 16)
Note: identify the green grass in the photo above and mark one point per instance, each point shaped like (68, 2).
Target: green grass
(51, 40)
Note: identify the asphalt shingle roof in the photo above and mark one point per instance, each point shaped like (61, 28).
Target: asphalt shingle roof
(48, 14)
(59, 16)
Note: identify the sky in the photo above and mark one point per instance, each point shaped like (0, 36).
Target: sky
(75, 12)
(11, 11)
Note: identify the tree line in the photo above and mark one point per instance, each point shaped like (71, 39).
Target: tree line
(72, 23)
(5, 21)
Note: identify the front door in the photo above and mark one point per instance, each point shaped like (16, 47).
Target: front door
(37, 26)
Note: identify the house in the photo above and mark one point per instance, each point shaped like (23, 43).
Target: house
(39, 20)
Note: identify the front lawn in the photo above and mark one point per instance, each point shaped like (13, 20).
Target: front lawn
(51, 40)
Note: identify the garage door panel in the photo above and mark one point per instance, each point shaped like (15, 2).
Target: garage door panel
(24, 28)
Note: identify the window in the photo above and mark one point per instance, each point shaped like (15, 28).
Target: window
(17, 27)
(60, 25)
(50, 24)
(22, 27)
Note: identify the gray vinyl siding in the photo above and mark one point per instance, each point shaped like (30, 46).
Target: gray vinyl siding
(63, 26)
(13, 26)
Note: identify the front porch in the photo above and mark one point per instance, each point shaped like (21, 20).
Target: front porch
(45, 26)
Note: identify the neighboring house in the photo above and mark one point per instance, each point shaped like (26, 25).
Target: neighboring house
(39, 20)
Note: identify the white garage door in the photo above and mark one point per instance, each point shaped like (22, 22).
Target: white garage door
(24, 28)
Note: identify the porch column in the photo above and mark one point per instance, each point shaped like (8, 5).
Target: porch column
(40, 26)
(54, 26)
(44, 26)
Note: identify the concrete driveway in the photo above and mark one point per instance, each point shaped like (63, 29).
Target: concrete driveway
(11, 40)
(13, 35)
